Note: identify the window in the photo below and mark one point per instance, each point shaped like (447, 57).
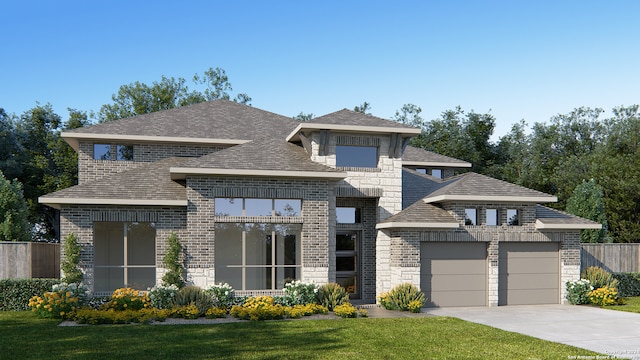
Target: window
(101, 152)
(348, 215)
(257, 207)
(492, 217)
(421, 170)
(125, 255)
(512, 217)
(436, 173)
(124, 152)
(357, 156)
(470, 217)
(257, 256)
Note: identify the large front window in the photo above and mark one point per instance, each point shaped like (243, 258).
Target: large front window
(125, 256)
(256, 256)
(357, 156)
(257, 207)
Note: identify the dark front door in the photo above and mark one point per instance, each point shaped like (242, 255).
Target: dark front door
(347, 262)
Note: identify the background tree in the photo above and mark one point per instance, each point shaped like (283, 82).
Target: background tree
(409, 114)
(587, 201)
(363, 108)
(14, 225)
(303, 117)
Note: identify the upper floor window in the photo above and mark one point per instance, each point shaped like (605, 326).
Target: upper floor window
(348, 215)
(357, 156)
(492, 217)
(422, 170)
(436, 173)
(101, 151)
(470, 217)
(257, 207)
(513, 218)
(124, 152)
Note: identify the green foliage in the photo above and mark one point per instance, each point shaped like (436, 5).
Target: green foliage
(14, 224)
(16, 293)
(599, 278)
(128, 299)
(193, 295)
(186, 312)
(258, 308)
(162, 296)
(300, 293)
(70, 268)
(298, 311)
(331, 295)
(628, 284)
(578, 291)
(98, 317)
(604, 296)
(172, 261)
(363, 108)
(216, 312)
(401, 296)
(587, 201)
(222, 294)
(346, 310)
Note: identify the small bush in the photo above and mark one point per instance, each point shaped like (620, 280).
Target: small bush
(54, 304)
(628, 284)
(172, 260)
(258, 308)
(604, 296)
(70, 268)
(578, 291)
(216, 312)
(401, 296)
(193, 295)
(346, 310)
(331, 295)
(300, 293)
(96, 317)
(128, 299)
(298, 311)
(222, 295)
(16, 293)
(186, 312)
(599, 278)
(162, 296)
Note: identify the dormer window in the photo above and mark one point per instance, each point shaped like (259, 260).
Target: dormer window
(470, 216)
(101, 151)
(436, 173)
(357, 156)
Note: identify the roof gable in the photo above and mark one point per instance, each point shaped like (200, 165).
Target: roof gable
(413, 156)
(420, 215)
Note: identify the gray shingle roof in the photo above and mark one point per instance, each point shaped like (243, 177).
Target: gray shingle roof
(548, 216)
(413, 154)
(348, 117)
(421, 212)
(263, 154)
(217, 119)
(472, 184)
(145, 182)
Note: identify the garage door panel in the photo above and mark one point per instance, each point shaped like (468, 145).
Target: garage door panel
(533, 281)
(458, 298)
(533, 265)
(453, 251)
(532, 296)
(458, 266)
(457, 283)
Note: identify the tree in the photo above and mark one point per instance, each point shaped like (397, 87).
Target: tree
(172, 261)
(70, 269)
(138, 98)
(10, 150)
(14, 225)
(302, 117)
(587, 201)
(363, 108)
(409, 114)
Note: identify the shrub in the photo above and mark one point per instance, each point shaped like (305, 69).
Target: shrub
(128, 299)
(346, 310)
(415, 306)
(222, 295)
(298, 311)
(401, 296)
(16, 293)
(186, 312)
(578, 291)
(162, 296)
(172, 261)
(193, 295)
(628, 284)
(604, 296)
(258, 308)
(216, 312)
(96, 317)
(60, 302)
(70, 269)
(599, 277)
(331, 295)
(300, 293)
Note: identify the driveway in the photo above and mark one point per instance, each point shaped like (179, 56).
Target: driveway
(609, 332)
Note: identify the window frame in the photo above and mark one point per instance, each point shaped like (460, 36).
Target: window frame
(122, 151)
(340, 158)
(274, 206)
(517, 221)
(496, 216)
(106, 155)
(469, 221)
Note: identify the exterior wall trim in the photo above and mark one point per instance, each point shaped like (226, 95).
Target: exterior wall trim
(542, 226)
(437, 164)
(56, 202)
(178, 173)
(523, 199)
(73, 139)
(417, 225)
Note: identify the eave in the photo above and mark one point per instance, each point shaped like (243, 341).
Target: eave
(437, 164)
(417, 225)
(542, 226)
(73, 139)
(490, 198)
(55, 202)
(294, 135)
(180, 173)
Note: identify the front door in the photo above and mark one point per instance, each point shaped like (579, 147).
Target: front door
(347, 262)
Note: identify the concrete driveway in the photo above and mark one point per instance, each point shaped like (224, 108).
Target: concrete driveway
(609, 332)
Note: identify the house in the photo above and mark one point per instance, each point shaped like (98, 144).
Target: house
(258, 199)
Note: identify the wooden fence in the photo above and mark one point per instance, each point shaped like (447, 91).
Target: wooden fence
(611, 257)
(29, 260)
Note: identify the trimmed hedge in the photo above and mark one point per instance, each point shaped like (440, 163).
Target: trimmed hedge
(628, 284)
(15, 293)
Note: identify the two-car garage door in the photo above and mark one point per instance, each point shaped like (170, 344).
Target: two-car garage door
(455, 274)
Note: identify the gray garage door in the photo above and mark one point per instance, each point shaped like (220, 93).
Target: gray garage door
(529, 274)
(454, 274)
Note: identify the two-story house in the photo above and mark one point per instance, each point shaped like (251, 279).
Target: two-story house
(258, 199)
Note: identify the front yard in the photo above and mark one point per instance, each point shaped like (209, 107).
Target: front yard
(24, 336)
(631, 304)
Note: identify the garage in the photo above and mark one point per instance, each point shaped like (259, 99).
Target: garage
(454, 274)
(528, 274)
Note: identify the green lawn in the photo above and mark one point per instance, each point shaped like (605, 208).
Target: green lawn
(23, 336)
(631, 304)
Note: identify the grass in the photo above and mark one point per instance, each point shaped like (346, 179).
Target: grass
(631, 304)
(24, 336)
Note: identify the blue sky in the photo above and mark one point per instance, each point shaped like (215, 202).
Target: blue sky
(520, 59)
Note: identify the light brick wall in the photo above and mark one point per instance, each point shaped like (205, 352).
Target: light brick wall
(90, 169)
